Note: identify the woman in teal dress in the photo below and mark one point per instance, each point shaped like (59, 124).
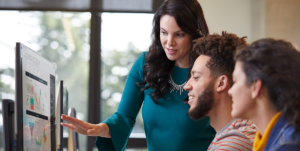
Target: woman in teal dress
(155, 83)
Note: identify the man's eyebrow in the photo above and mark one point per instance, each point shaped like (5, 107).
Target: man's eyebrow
(193, 72)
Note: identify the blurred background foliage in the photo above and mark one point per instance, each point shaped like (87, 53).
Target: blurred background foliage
(64, 40)
(115, 69)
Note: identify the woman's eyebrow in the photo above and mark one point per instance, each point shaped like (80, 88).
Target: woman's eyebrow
(178, 31)
(233, 77)
(162, 28)
(174, 32)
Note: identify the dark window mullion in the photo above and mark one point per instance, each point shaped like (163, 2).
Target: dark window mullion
(94, 109)
(136, 143)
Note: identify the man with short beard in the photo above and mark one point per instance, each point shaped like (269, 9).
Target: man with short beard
(211, 78)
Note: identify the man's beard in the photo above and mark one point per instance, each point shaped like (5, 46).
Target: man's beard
(204, 103)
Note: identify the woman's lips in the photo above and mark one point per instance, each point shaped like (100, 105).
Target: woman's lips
(171, 51)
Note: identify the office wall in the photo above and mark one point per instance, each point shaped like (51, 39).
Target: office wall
(256, 19)
(242, 17)
(283, 20)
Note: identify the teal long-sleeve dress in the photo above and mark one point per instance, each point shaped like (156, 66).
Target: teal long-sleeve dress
(167, 125)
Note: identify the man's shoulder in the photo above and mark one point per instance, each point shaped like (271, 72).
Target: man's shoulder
(232, 141)
(239, 134)
(239, 128)
(245, 135)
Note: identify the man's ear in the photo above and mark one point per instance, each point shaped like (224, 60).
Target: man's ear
(256, 87)
(222, 83)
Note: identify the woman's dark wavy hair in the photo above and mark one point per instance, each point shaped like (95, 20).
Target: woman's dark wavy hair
(189, 17)
(276, 63)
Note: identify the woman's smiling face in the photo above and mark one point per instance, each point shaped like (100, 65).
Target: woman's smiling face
(176, 43)
(240, 93)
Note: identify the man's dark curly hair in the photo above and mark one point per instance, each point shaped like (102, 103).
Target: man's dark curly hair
(221, 50)
(276, 63)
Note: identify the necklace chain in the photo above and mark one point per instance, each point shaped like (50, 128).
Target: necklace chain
(176, 87)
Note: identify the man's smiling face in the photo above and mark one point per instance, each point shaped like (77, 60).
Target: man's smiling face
(201, 89)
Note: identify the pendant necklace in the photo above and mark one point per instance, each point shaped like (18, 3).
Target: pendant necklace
(176, 87)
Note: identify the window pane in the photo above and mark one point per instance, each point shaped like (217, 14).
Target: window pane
(124, 37)
(45, 5)
(62, 38)
(127, 5)
(7, 67)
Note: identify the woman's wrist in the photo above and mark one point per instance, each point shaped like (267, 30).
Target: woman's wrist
(104, 130)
